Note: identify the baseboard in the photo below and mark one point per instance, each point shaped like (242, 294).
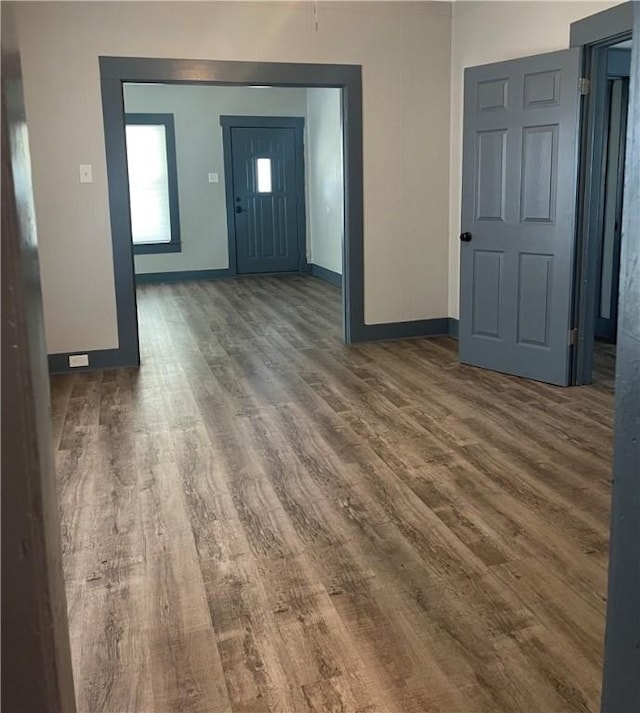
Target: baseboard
(437, 327)
(98, 359)
(182, 275)
(115, 359)
(323, 273)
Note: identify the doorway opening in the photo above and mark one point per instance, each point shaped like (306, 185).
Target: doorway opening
(119, 77)
(230, 182)
(216, 194)
(600, 236)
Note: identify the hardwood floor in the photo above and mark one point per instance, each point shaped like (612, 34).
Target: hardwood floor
(262, 519)
(604, 363)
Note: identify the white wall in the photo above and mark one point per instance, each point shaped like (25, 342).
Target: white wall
(404, 50)
(484, 32)
(325, 181)
(197, 111)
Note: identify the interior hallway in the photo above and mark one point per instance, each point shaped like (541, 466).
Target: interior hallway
(262, 519)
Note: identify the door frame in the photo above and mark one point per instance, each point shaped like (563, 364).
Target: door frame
(36, 668)
(620, 683)
(228, 122)
(594, 34)
(115, 71)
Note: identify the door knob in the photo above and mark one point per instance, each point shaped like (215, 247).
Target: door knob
(465, 237)
(238, 209)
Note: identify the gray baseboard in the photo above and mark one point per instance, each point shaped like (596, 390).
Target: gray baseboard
(116, 359)
(401, 330)
(98, 359)
(323, 273)
(182, 275)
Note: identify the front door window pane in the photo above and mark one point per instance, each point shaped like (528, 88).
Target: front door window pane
(264, 175)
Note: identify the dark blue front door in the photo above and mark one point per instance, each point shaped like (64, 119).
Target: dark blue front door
(264, 199)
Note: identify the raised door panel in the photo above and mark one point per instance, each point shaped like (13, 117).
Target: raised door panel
(535, 300)
(487, 293)
(491, 153)
(539, 173)
(541, 89)
(493, 94)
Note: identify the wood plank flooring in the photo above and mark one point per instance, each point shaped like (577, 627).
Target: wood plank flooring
(262, 519)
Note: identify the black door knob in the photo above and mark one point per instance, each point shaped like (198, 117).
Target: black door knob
(465, 237)
(238, 209)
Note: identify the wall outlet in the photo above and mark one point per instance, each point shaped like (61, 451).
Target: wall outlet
(213, 178)
(79, 360)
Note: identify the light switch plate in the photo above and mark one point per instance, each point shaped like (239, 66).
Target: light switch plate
(86, 173)
(214, 178)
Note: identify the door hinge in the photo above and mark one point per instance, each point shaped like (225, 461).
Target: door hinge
(573, 337)
(584, 86)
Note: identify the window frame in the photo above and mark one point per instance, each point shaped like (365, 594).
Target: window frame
(166, 120)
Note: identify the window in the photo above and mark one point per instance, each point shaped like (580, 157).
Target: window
(263, 168)
(153, 185)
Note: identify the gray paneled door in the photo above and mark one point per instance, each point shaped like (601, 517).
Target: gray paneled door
(265, 194)
(519, 184)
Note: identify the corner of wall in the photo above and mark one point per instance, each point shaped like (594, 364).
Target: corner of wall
(452, 247)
